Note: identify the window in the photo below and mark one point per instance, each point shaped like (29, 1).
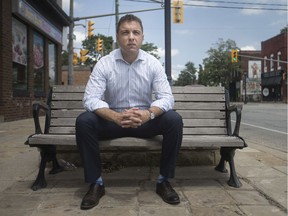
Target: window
(38, 64)
(271, 62)
(52, 64)
(265, 64)
(278, 60)
(19, 56)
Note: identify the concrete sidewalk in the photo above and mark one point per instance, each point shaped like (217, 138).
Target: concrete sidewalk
(131, 191)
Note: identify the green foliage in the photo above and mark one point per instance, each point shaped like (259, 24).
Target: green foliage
(91, 45)
(284, 30)
(218, 67)
(64, 58)
(187, 76)
(150, 48)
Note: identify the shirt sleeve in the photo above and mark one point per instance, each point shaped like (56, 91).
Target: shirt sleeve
(95, 89)
(162, 90)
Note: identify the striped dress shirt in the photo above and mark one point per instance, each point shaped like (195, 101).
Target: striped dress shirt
(118, 85)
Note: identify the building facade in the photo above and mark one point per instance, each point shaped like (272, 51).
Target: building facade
(274, 68)
(31, 47)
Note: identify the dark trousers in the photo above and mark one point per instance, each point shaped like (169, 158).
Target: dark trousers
(90, 128)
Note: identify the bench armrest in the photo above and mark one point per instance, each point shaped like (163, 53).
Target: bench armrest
(37, 106)
(238, 111)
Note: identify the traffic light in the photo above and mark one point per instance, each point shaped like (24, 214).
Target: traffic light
(99, 45)
(83, 57)
(75, 58)
(234, 55)
(90, 29)
(178, 11)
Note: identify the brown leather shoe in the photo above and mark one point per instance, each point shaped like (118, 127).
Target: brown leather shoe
(92, 197)
(167, 193)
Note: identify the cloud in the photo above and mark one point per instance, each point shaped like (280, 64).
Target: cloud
(176, 69)
(248, 47)
(251, 11)
(161, 52)
(183, 32)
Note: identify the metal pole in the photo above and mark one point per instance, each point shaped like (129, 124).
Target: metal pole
(116, 19)
(245, 81)
(70, 46)
(168, 40)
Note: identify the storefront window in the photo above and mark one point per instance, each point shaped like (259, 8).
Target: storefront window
(38, 64)
(52, 64)
(19, 52)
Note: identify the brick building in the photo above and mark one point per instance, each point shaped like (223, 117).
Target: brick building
(81, 75)
(31, 46)
(274, 68)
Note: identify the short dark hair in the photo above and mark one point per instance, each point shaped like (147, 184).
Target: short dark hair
(129, 18)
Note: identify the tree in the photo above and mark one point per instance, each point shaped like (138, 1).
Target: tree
(64, 58)
(150, 48)
(284, 30)
(218, 68)
(187, 76)
(91, 45)
(201, 75)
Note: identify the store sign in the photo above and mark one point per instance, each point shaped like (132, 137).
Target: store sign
(28, 13)
(265, 92)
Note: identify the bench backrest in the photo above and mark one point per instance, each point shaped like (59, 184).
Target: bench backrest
(203, 109)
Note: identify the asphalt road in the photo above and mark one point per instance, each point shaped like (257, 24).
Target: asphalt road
(265, 124)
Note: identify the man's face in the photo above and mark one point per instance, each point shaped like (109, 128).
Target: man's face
(130, 37)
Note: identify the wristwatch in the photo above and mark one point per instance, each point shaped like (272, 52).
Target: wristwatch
(152, 115)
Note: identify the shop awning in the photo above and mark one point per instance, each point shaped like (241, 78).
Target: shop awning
(269, 81)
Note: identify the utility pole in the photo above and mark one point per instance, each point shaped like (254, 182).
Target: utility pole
(116, 19)
(168, 40)
(70, 46)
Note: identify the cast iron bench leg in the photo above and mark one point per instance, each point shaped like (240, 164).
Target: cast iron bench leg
(227, 154)
(48, 153)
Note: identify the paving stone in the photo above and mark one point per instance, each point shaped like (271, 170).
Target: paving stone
(252, 210)
(208, 198)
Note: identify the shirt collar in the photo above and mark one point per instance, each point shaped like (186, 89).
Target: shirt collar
(118, 55)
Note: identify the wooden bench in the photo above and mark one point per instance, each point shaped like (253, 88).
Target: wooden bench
(206, 114)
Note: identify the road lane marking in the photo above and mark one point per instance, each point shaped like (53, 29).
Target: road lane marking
(263, 128)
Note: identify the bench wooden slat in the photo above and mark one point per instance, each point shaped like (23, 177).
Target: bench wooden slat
(67, 96)
(199, 97)
(200, 114)
(68, 88)
(65, 113)
(67, 105)
(155, 143)
(204, 131)
(199, 106)
(200, 89)
(178, 105)
(186, 131)
(56, 122)
(175, 89)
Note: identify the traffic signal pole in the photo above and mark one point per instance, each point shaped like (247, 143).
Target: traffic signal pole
(70, 46)
(167, 18)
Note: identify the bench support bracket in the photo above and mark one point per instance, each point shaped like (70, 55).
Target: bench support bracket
(227, 154)
(48, 154)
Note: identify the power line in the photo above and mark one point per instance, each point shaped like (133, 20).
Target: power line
(231, 7)
(243, 3)
(226, 7)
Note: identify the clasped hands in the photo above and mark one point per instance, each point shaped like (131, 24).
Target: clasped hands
(133, 118)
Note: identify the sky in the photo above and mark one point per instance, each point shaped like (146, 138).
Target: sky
(205, 22)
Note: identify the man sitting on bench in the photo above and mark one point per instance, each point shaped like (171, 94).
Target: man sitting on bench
(118, 100)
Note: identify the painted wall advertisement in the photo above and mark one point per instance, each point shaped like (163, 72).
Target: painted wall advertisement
(253, 79)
